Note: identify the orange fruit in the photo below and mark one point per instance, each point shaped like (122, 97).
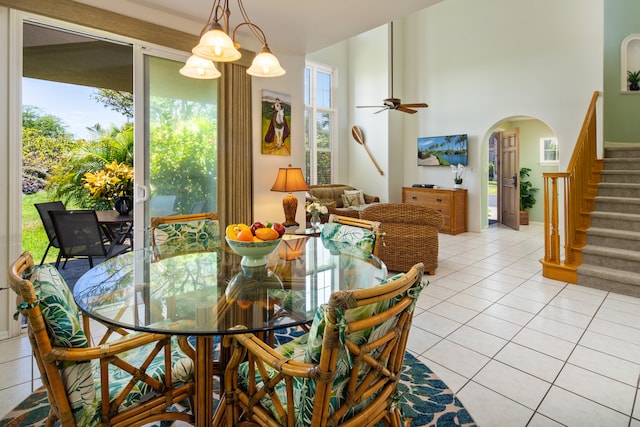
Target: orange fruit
(257, 239)
(232, 230)
(245, 235)
(267, 233)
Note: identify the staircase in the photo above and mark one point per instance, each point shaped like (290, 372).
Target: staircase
(611, 257)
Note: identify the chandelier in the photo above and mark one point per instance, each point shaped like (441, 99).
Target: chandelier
(216, 45)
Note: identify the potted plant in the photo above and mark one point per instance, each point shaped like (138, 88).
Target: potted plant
(633, 77)
(527, 195)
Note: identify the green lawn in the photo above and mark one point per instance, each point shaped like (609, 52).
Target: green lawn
(493, 188)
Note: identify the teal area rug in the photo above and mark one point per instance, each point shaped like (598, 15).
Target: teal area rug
(426, 400)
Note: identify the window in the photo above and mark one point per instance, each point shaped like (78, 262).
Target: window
(320, 123)
(549, 151)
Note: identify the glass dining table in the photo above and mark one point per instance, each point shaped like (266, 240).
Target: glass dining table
(208, 294)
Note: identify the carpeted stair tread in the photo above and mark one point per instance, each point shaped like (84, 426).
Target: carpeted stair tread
(616, 204)
(603, 251)
(626, 163)
(609, 279)
(620, 239)
(620, 176)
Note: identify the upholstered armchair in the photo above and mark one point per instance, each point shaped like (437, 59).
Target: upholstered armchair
(123, 382)
(410, 234)
(344, 371)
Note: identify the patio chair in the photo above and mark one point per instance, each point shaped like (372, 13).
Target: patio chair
(345, 371)
(162, 205)
(179, 234)
(349, 231)
(129, 381)
(43, 211)
(79, 235)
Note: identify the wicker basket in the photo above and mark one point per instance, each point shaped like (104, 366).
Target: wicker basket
(410, 234)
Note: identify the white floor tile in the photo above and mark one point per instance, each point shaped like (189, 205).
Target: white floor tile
(469, 301)
(10, 397)
(607, 365)
(456, 358)
(610, 393)
(613, 346)
(483, 293)
(557, 329)
(491, 409)
(530, 361)
(477, 340)
(513, 383)
(617, 330)
(566, 316)
(547, 344)
(14, 348)
(454, 312)
(542, 421)
(452, 379)
(572, 410)
(493, 325)
(509, 314)
(420, 340)
(522, 304)
(438, 325)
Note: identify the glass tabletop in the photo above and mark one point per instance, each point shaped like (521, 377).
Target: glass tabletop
(209, 293)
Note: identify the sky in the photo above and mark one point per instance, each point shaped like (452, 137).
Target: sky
(71, 103)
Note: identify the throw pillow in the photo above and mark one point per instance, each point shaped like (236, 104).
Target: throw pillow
(350, 200)
(359, 193)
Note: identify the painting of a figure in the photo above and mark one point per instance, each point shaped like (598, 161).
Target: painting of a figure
(276, 116)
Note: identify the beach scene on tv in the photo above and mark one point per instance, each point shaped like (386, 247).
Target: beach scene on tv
(442, 150)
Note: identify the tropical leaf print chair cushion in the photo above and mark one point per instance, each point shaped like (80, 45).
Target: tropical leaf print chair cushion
(185, 237)
(308, 349)
(82, 380)
(361, 238)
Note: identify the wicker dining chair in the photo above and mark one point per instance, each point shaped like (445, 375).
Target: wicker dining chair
(361, 233)
(180, 234)
(128, 381)
(344, 372)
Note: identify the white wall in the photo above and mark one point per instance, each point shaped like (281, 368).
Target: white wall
(267, 204)
(475, 64)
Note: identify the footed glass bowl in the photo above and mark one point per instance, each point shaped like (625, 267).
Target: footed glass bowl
(253, 253)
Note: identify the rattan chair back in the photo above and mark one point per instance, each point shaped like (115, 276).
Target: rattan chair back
(374, 226)
(51, 359)
(354, 380)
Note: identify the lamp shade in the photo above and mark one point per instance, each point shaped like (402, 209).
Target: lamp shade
(199, 68)
(290, 179)
(216, 45)
(265, 64)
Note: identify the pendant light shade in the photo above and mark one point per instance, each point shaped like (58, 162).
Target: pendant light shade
(265, 64)
(199, 68)
(217, 46)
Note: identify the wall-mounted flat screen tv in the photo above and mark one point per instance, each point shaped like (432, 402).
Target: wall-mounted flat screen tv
(443, 150)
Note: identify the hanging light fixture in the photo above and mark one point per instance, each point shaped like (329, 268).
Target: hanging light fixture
(199, 68)
(217, 46)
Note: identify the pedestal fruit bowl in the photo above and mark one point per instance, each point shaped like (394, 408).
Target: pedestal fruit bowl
(254, 243)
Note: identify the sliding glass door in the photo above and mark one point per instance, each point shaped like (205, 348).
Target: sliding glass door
(176, 142)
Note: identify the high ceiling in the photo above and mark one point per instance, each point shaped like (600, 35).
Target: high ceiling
(296, 27)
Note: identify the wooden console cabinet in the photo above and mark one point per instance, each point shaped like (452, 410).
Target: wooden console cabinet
(450, 202)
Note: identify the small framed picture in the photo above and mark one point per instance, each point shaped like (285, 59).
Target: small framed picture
(276, 119)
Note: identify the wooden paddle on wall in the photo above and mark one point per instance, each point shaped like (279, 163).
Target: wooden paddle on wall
(359, 137)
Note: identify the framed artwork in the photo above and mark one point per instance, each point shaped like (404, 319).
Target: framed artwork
(276, 117)
(443, 150)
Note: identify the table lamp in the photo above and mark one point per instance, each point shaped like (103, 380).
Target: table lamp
(290, 179)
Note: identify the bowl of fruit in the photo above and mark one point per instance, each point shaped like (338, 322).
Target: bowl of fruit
(254, 242)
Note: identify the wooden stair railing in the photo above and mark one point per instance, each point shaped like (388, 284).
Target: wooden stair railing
(571, 195)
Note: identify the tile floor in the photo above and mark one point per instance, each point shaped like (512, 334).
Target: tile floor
(518, 349)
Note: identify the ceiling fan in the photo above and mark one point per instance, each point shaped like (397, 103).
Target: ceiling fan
(394, 103)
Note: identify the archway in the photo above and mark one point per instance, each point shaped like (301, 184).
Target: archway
(538, 151)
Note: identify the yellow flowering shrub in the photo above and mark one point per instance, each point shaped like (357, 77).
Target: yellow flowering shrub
(115, 180)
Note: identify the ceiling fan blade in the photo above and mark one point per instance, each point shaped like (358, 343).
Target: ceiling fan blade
(406, 110)
(380, 111)
(368, 106)
(418, 105)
